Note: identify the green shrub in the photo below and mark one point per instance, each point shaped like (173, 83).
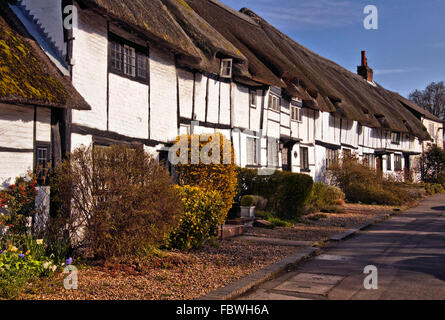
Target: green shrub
(277, 222)
(212, 177)
(203, 213)
(247, 201)
(286, 192)
(432, 165)
(323, 196)
(265, 215)
(260, 203)
(365, 185)
(434, 188)
(117, 201)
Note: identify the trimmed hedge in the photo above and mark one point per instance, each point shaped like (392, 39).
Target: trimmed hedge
(286, 192)
(211, 177)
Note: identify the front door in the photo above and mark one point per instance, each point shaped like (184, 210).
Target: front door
(286, 156)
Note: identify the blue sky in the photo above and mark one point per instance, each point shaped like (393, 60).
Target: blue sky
(407, 51)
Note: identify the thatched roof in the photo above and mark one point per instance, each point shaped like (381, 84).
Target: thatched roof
(173, 25)
(415, 108)
(276, 59)
(27, 76)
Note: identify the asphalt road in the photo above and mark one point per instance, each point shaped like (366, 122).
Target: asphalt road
(408, 251)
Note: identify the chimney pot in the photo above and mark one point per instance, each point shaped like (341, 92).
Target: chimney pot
(364, 70)
(364, 59)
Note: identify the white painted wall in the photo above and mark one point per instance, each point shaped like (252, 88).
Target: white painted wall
(90, 58)
(163, 93)
(17, 132)
(128, 107)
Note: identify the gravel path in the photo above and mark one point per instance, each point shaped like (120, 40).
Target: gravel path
(189, 276)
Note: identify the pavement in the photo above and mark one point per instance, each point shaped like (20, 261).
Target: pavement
(407, 250)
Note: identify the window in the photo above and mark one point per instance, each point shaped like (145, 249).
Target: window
(304, 159)
(128, 61)
(226, 68)
(389, 162)
(142, 65)
(397, 162)
(395, 137)
(272, 153)
(331, 157)
(369, 160)
(252, 152)
(42, 161)
(274, 102)
(296, 114)
(253, 98)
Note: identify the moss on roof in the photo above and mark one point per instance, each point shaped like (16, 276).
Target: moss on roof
(26, 74)
(21, 75)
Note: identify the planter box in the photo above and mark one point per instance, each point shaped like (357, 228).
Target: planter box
(247, 212)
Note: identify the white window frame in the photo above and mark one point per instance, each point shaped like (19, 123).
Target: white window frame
(396, 138)
(226, 65)
(296, 114)
(129, 61)
(274, 102)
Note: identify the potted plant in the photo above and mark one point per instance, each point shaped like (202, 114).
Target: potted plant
(247, 207)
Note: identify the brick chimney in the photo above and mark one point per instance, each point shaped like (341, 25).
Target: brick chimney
(365, 71)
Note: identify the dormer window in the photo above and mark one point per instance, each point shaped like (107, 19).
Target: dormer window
(395, 137)
(253, 98)
(128, 60)
(226, 68)
(274, 102)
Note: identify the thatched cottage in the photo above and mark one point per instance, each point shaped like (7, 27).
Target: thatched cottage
(34, 98)
(153, 69)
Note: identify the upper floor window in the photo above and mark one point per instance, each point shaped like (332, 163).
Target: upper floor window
(128, 61)
(395, 137)
(253, 98)
(296, 113)
(226, 68)
(274, 102)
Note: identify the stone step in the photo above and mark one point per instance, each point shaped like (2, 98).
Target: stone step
(230, 231)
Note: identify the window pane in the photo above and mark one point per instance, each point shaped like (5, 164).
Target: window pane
(116, 56)
(129, 61)
(142, 66)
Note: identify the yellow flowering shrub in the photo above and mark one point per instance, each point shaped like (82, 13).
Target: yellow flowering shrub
(222, 177)
(200, 218)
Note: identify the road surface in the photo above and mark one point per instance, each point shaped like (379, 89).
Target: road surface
(408, 251)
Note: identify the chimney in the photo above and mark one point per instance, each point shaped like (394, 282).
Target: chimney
(365, 71)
